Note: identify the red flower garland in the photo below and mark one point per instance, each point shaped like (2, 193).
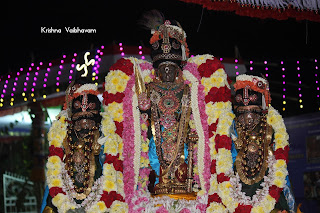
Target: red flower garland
(124, 65)
(56, 151)
(109, 197)
(210, 66)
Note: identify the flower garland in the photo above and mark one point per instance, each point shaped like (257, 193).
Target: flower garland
(206, 79)
(59, 182)
(229, 187)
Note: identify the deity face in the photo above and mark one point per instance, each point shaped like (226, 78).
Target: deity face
(85, 113)
(168, 71)
(167, 49)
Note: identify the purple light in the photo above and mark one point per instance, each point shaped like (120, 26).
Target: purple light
(102, 47)
(34, 84)
(283, 82)
(35, 78)
(283, 69)
(298, 75)
(25, 89)
(36, 73)
(140, 47)
(59, 72)
(299, 88)
(96, 58)
(99, 59)
(72, 65)
(27, 78)
(38, 68)
(70, 77)
(283, 96)
(16, 78)
(5, 86)
(41, 63)
(57, 78)
(122, 54)
(15, 84)
(315, 60)
(30, 68)
(316, 82)
(267, 74)
(120, 44)
(298, 68)
(7, 81)
(300, 95)
(266, 68)
(96, 77)
(60, 66)
(12, 94)
(316, 74)
(2, 95)
(317, 96)
(236, 60)
(75, 54)
(299, 82)
(57, 83)
(48, 69)
(298, 62)
(25, 83)
(71, 71)
(265, 62)
(283, 76)
(44, 85)
(18, 73)
(317, 88)
(281, 62)
(46, 74)
(32, 64)
(73, 60)
(221, 59)
(28, 73)
(9, 76)
(3, 91)
(32, 90)
(251, 68)
(316, 67)
(251, 62)
(98, 51)
(50, 64)
(21, 69)
(143, 57)
(101, 53)
(45, 80)
(64, 56)
(121, 48)
(237, 73)
(140, 52)
(236, 67)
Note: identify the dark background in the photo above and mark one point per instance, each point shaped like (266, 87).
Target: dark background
(217, 33)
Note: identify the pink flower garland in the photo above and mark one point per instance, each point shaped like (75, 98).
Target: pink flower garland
(128, 143)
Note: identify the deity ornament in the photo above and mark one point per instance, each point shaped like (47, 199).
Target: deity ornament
(74, 168)
(255, 147)
(159, 114)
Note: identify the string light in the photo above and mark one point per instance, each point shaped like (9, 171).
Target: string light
(316, 75)
(266, 68)
(121, 49)
(59, 73)
(236, 66)
(140, 53)
(284, 102)
(299, 86)
(251, 66)
(72, 67)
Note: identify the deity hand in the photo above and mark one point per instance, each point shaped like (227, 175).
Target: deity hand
(143, 101)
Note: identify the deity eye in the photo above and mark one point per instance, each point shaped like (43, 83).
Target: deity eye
(253, 97)
(76, 104)
(92, 105)
(260, 84)
(155, 45)
(238, 98)
(175, 44)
